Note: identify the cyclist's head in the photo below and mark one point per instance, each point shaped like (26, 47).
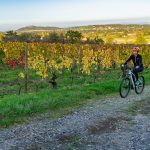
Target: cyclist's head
(135, 50)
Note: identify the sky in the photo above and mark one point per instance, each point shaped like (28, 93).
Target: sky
(17, 13)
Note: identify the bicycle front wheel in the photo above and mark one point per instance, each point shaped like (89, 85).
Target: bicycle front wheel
(125, 87)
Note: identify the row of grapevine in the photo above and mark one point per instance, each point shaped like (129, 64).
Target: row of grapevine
(44, 57)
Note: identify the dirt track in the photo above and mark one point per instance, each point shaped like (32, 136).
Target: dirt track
(101, 125)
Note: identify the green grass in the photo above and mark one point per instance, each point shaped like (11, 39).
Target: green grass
(16, 109)
(147, 76)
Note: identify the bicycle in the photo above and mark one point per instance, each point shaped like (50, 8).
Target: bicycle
(128, 82)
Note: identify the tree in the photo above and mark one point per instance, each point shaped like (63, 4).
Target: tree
(10, 36)
(98, 40)
(10, 33)
(24, 37)
(53, 37)
(73, 36)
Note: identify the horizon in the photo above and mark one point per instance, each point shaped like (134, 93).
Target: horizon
(136, 21)
(65, 13)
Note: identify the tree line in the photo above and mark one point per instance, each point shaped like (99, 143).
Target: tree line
(70, 37)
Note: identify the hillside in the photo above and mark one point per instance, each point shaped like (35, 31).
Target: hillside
(36, 28)
(88, 27)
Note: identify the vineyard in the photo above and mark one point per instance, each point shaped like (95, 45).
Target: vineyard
(58, 75)
(45, 58)
(48, 61)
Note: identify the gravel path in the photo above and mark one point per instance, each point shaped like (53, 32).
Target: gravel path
(101, 125)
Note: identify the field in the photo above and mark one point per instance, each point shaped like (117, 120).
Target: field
(15, 108)
(117, 33)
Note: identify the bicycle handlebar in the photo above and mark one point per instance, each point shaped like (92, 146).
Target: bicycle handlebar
(125, 67)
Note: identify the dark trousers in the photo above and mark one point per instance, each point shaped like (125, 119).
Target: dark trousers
(136, 71)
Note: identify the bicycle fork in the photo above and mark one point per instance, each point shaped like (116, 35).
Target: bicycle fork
(131, 79)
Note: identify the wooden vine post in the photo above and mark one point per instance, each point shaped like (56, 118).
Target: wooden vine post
(26, 69)
(79, 59)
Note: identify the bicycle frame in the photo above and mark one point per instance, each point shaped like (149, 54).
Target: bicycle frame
(130, 75)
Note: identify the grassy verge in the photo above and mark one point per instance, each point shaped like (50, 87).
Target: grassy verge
(16, 109)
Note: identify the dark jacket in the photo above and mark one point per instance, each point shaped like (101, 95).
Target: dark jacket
(137, 61)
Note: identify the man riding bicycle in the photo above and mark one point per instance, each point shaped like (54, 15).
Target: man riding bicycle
(137, 61)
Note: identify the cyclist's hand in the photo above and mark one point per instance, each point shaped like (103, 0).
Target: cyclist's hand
(122, 65)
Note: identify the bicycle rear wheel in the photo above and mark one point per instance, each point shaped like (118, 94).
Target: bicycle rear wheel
(125, 87)
(139, 88)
